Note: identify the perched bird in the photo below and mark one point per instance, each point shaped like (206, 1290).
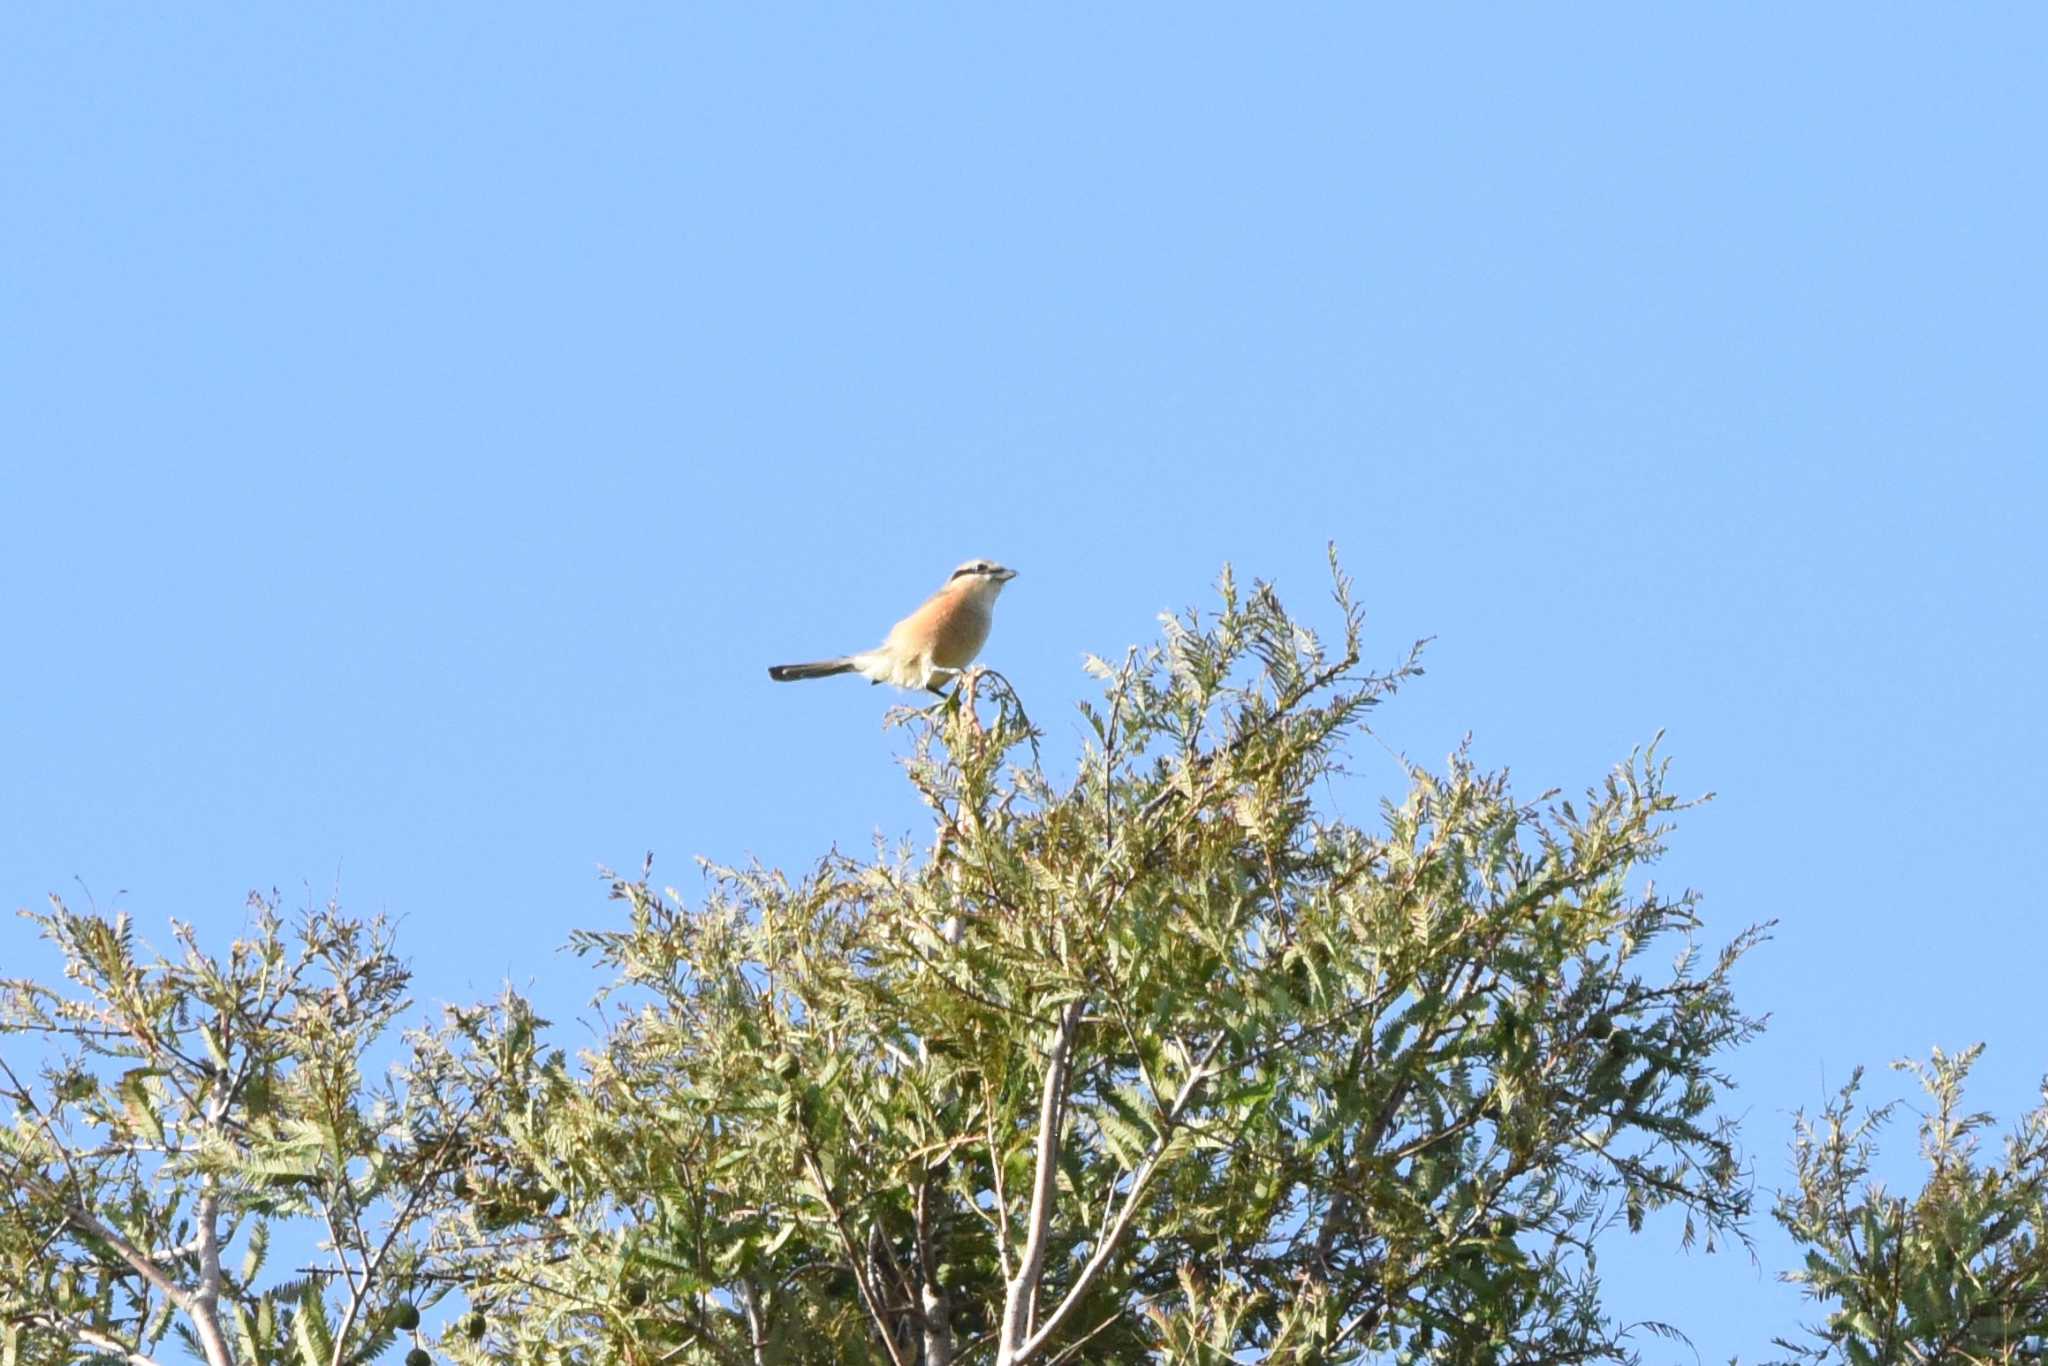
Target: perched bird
(931, 645)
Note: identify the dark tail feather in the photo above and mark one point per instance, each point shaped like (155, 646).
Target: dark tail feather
(824, 668)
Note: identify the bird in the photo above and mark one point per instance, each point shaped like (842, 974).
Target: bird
(930, 646)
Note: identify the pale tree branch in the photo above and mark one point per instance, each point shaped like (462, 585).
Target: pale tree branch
(204, 1318)
(91, 1337)
(1020, 1296)
(757, 1337)
(90, 1225)
(355, 1288)
(933, 1302)
(995, 1162)
(205, 1307)
(1141, 1178)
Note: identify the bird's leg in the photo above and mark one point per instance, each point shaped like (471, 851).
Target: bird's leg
(935, 684)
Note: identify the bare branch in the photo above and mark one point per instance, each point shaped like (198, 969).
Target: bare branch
(1111, 1244)
(1020, 1298)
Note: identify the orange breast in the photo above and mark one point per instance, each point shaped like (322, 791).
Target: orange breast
(960, 639)
(948, 631)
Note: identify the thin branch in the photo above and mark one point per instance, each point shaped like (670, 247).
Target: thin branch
(374, 1262)
(1141, 1179)
(205, 1307)
(995, 1164)
(84, 1221)
(854, 1259)
(1020, 1296)
(757, 1337)
(92, 1337)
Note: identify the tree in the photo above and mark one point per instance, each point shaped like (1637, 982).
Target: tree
(189, 1111)
(1168, 1061)
(1957, 1272)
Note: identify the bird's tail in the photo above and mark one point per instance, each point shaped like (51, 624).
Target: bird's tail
(823, 668)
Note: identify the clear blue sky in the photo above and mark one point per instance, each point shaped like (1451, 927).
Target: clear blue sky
(419, 425)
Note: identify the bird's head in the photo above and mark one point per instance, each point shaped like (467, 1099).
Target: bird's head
(981, 577)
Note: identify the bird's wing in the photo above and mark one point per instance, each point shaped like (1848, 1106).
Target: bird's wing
(925, 622)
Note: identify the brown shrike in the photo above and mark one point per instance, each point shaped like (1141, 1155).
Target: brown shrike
(931, 645)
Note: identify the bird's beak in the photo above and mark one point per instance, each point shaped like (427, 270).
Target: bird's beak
(1006, 575)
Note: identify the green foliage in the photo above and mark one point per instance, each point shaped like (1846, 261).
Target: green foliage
(1166, 1062)
(185, 1107)
(1957, 1272)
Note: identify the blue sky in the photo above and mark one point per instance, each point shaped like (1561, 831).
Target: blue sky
(419, 427)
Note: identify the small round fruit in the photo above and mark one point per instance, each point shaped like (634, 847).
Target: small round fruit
(636, 1294)
(473, 1327)
(418, 1357)
(1601, 1026)
(406, 1316)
